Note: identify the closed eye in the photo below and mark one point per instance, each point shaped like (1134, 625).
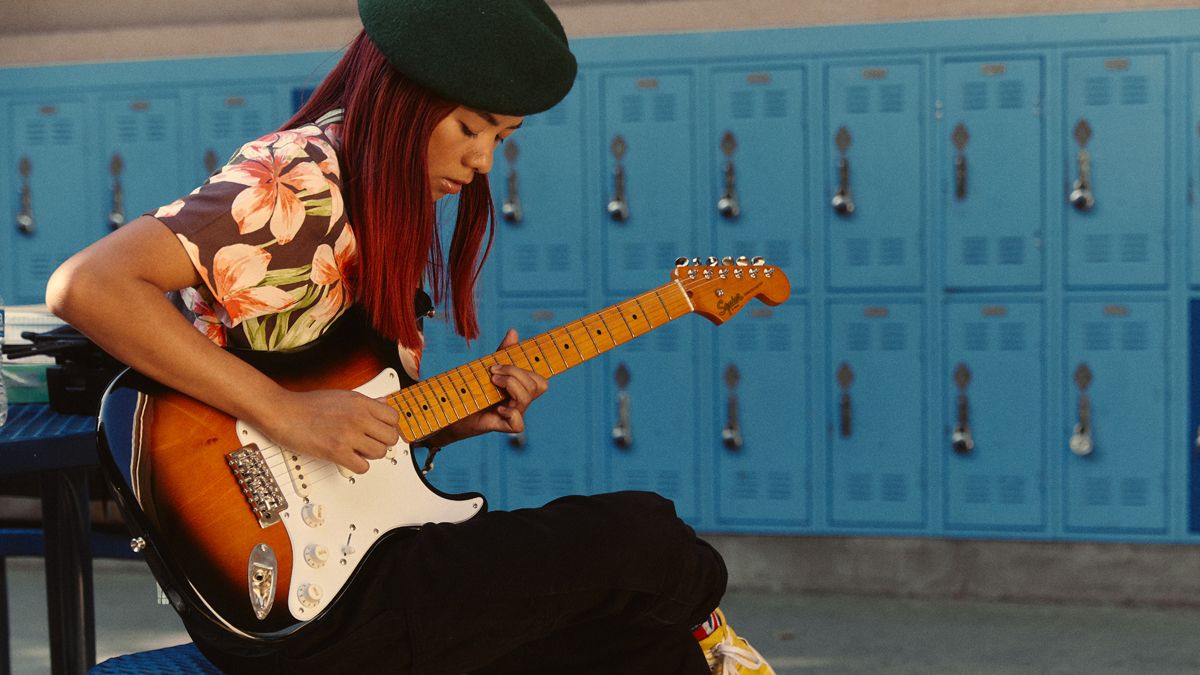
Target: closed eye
(467, 131)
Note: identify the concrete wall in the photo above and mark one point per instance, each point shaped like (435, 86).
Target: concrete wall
(63, 31)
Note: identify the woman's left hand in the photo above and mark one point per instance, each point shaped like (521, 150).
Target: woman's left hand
(519, 386)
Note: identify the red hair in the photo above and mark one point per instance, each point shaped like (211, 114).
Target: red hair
(387, 123)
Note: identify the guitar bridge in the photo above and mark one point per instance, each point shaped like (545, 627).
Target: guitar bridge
(258, 484)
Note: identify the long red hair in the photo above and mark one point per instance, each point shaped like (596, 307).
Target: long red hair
(387, 123)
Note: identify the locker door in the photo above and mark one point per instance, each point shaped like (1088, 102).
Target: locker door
(876, 459)
(993, 204)
(657, 374)
(995, 358)
(1194, 171)
(140, 146)
(651, 115)
(226, 120)
(463, 466)
(764, 466)
(1116, 109)
(47, 138)
(875, 109)
(550, 460)
(543, 252)
(1116, 355)
(763, 112)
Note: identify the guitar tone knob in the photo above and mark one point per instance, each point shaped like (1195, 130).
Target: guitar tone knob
(316, 555)
(309, 595)
(313, 515)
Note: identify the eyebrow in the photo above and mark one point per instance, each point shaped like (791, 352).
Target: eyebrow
(491, 119)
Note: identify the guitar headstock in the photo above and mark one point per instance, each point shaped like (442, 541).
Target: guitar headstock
(718, 289)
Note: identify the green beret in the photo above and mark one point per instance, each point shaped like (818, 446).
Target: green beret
(508, 57)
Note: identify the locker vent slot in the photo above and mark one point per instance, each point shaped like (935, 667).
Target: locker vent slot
(632, 109)
(858, 487)
(529, 482)
(221, 124)
(1135, 248)
(1135, 492)
(561, 482)
(974, 96)
(1010, 250)
(664, 107)
(779, 338)
(745, 338)
(1135, 90)
(775, 103)
(741, 104)
(858, 99)
(35, 132)
(977, 489)
(858, 337)
(893, 487)
(1011, 489)
(669, 483)
(1012, 336)
(127, 129)
(636, 480)
(1097, 492)
(1012, 95)
(1097, 91)
(558, 257)
(891, 98)
(745, 485)
(974, 250)
(975, 336)
(454, 479)
(779, 486)
(858, 252)
(633, 257)
(1097, 248)
(891, 251)
(1097, 336)
(527, 258)
(62, 131)
(252, 124)
(893, 337)
(1135, 336)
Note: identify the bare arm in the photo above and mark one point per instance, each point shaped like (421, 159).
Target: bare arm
(114, 292)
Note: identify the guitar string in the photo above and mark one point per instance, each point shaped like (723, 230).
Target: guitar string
(328, 468)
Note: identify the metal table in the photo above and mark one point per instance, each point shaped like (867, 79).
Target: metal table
(58, 449)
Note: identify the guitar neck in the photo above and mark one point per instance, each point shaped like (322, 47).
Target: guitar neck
(442, 400)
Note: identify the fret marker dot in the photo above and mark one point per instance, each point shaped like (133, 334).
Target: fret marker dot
(537, 359)
(463, 390)
(424, 407)
(443, 399)
(566, 346)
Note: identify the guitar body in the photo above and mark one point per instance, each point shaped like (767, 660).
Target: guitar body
(259, 575)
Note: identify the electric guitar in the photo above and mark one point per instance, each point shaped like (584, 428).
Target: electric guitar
(260, 540)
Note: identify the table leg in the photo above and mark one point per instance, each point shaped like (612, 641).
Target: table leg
(65, 521)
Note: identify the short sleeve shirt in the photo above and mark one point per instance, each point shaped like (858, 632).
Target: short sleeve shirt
(269, 237)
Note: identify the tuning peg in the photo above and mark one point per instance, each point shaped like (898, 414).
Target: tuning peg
(727, 261)
(742, 261)
(758, 260)
(681, 262)
(696, 262)
(712, 262)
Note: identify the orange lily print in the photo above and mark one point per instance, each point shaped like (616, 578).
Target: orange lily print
(208, 320)
(238, 269)
(274, 185)
(329, 268)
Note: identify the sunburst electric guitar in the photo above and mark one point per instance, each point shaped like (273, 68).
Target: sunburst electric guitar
(261, 540)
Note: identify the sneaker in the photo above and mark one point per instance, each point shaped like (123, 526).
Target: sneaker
(729, 654)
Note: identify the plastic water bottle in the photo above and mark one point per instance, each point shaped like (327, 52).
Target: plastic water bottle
(3, 392)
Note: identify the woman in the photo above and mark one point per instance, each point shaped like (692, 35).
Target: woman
(337, 209)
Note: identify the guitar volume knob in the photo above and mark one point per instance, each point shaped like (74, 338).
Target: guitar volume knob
(313, 515)
(316, 555)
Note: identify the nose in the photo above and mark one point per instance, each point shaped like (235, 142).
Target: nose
(480, 161)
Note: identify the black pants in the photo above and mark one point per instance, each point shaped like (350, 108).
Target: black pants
(603, 584)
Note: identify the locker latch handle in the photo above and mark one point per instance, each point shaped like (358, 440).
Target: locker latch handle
(1082, 197)
(728, 205)
(210, 161)
(622, 432)
(961, 440)
(25, 215)
(843, 202)
(960, 136)
(618, 206)
(845, 378)
(1082, 443)
(731, 435)
(510, 209)
(116, 215)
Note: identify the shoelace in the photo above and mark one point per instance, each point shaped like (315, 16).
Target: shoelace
(730, 656)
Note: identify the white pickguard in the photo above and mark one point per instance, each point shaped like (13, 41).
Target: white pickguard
(356, 510)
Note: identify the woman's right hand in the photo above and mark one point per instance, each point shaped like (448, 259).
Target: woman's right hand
(340, 426)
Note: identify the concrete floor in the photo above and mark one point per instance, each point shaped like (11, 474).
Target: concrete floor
(798, 633)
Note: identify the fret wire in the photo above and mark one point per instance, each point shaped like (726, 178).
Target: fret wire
(542, 353)
(429, 404)
(464, 386)
(658, 296)
(406, 421)
(617, 339)
(471, 383)
(554, 343)
(531, 362)
(603, 332)
(449, 395)
(414, 410)
(567, 334)
(588, 332)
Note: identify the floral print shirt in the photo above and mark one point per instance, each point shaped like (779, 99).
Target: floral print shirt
(269, 236)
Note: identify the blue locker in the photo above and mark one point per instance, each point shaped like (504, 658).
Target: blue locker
(550, 459)
(1116, 207)
(874, 130)
(48, 143)
(656, 373)
(995, 357)
(1114, 444)
(650, 115)
(1194, 170)
(764, 461)
(875, 379)
(763, 111)
(991, 154)
(542, 252)
(224, 120)
(140, 150)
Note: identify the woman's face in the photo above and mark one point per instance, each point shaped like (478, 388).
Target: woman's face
(462, 145)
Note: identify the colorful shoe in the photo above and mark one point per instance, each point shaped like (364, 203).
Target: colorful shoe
(729, 654)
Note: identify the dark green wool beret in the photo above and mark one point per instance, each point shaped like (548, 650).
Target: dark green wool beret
(508, 57)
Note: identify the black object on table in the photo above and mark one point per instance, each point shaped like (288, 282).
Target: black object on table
(58, 449)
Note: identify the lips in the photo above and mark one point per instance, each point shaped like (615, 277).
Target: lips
(451, 186)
